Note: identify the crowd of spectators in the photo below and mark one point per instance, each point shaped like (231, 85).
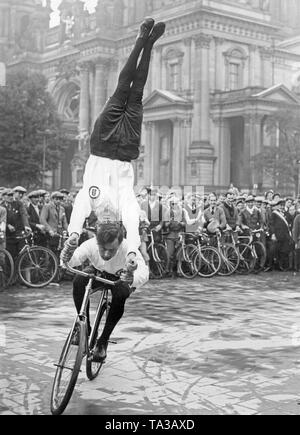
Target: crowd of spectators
(170, 212)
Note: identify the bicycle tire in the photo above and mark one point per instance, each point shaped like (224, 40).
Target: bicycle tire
(247, 259)
(8, 268)
(261, 253)
(209, 262)
(93, 368)
(158, 269)
(58, 405)
(230, 261)
(186, 266)
(43, 266)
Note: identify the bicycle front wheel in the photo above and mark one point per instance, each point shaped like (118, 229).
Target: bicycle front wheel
(68, 369)
(159, 260)
(208, 262)
(37, 267)
(6, 269)
(93, 368)
(186, 261)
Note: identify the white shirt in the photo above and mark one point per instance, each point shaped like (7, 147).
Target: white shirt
(89, 251)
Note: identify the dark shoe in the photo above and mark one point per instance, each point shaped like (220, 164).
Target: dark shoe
(76, 336)
(157, 31)
(145, 28)
(268, 269)
(99, 354)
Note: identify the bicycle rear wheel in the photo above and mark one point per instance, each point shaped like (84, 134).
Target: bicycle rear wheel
(247, 259)
(186, 262)
(208, 262)
(261, 259)
(68, 369)
(37, 267)
(159, 260)
(6, 269)
(93, 368)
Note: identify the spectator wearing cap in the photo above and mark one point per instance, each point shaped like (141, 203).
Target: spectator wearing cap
(231, 211)
(33, 211)
(251, 218)
(67, 204)
(269, 195)
(53, 218)
(3, 221)
(214, 216)
(17, 220)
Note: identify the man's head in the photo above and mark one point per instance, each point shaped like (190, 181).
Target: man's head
(57, 198)
(230, 197)
(34, 197)
(212, 199)
(109, 238)
(19, 192)
(250, 201)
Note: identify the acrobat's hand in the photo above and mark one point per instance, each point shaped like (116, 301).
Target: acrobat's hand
(68, 250)
(131, 262)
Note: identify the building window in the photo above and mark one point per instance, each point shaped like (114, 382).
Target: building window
(234, 76)
(173, 60)
(235, 63)
(174, 77)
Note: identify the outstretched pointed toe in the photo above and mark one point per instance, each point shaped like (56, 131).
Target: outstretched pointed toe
(157, 31)
(145, 28)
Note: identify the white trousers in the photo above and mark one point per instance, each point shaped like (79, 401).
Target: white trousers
(108, 184)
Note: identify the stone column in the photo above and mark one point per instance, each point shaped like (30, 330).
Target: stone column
(200, 126)
(84, 108)
(148, 158)
(252, 146)
(219, 64)
(177, 146)
(187, 66)
(252, 65)
(267, 67)
(224, 153)
(100, 86)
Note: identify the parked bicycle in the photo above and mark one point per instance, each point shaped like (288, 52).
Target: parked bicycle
(70, 361)
(36, 266)
(252, 251)
(6, 268)
(207, 259)
(159, 258)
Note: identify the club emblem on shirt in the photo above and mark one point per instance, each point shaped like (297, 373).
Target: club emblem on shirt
(94, 192)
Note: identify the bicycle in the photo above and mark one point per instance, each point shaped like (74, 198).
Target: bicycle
(253, 252)
(185, 255)
(159, 258)
(6, 268)
(36, 266)
(229, 254)
(207, 260)
(68, 367)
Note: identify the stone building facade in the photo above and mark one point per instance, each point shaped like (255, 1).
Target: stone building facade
(220, 70)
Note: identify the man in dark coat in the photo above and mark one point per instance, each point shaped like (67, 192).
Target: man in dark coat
(280, 231)
(33, 211)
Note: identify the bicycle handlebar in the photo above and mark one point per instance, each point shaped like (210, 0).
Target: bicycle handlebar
(89, 275)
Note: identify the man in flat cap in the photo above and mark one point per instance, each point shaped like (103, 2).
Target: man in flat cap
(53, 218)
(17, 220)
(33, 211)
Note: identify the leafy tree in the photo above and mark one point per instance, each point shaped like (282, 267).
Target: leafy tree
(28, 116)
(279, 160)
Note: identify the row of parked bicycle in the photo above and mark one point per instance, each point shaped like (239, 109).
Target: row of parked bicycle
(200, 254)
(36, 266)
(195, 255)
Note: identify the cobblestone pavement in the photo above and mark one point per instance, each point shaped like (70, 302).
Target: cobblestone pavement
(219, 346)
